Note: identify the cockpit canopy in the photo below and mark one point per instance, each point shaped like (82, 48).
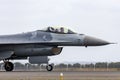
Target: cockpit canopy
(61, 30)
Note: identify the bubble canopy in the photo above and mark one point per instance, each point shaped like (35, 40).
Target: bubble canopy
(60, 30)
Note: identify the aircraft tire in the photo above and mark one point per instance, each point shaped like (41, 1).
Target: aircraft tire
(8, 66)
(49, 67)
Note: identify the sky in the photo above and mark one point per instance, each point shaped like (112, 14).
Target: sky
(97, 18)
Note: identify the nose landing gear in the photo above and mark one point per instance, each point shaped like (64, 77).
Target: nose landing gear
(49, 67)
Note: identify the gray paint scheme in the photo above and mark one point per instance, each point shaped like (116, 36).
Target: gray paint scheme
(41, 43)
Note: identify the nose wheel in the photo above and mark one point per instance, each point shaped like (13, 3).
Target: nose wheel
(8, 66)
(49, 67)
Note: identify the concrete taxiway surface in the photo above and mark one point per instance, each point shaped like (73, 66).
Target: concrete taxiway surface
(31, 75)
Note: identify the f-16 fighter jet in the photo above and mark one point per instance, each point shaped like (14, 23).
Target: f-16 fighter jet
(36, 46)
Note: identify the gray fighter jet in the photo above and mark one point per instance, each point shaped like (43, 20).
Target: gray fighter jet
(36, 46)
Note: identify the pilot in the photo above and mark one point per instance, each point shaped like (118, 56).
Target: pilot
(56, 31)
(62, 30)
(50, 29)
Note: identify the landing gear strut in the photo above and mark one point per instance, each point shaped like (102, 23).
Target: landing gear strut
(8, 66)
(49, 67)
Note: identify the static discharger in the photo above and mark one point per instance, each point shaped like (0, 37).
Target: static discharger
(61, 76)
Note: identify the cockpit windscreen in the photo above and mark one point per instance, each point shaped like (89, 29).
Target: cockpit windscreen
(59, 30)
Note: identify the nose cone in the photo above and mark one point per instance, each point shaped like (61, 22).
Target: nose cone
(91, 41)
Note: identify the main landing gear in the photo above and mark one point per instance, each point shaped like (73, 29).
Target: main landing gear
(8, 66)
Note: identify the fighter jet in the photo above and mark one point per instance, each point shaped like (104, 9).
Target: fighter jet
(36, 46)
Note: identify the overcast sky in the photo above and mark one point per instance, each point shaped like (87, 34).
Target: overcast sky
(98, 18)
